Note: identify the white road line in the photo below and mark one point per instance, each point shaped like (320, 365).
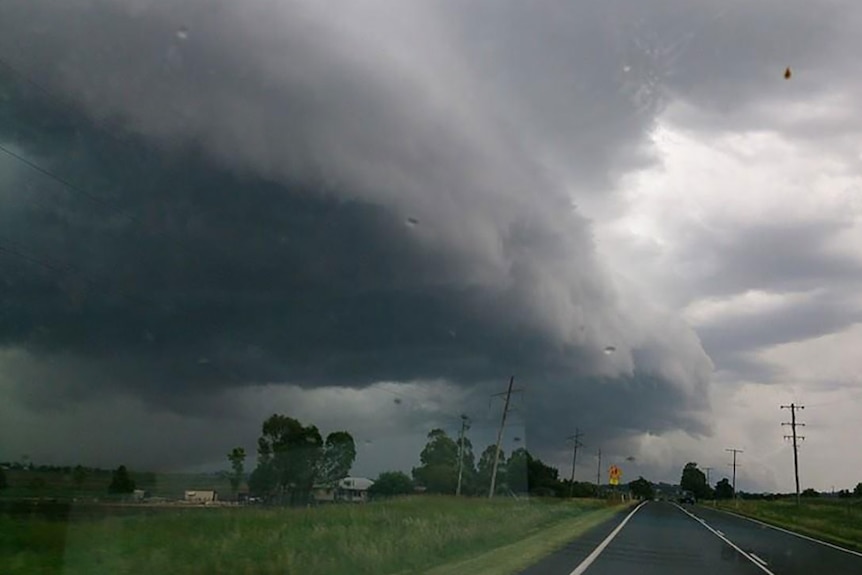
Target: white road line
(728, 541)
(836, 547)
(758, 559)
(579, 570)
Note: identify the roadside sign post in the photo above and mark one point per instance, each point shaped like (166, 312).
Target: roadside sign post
(614, 475)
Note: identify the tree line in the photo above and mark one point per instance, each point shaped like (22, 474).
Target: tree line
(293, 459)
(694, 480)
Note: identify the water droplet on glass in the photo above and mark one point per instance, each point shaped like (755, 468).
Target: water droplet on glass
(609, 350)
(627, 68)
(397, 401)
(412, 222)
(183, 33)
(203, 361)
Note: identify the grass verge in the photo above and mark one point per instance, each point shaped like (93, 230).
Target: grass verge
(518, 556)
(411, 535)
(835, 521)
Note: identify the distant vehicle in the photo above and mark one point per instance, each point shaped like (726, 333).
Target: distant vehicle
(687, 498)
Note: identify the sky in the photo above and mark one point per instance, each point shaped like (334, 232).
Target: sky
(369, 218)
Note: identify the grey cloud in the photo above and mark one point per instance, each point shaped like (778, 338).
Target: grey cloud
(776, 256)
(821, 314)
(255, 177)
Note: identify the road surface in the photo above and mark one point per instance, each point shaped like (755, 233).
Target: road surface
(662, 538)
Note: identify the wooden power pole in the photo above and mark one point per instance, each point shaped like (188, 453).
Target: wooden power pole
(796, 438)
(576, 443)
(500, 438)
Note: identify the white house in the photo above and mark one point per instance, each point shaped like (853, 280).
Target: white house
(349, 489)
(200, 496)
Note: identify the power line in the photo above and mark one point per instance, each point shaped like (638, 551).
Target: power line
(576, 443)
(796, 438)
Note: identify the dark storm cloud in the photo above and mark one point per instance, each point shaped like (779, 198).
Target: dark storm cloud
(272, 193)
(730, 341)
(793, 259)
(812, 318)
(775, 256)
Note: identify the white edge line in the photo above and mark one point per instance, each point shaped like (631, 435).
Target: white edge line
(789, 532)
(726, 540)
(601, 547)
(759, 560)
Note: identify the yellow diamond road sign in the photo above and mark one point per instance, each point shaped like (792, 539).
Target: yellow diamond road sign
(614, 475)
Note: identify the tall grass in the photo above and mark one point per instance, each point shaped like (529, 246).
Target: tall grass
(838, 520)
(401, 536)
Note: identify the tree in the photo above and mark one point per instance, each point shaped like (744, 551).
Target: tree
(642, 489)
(694, 480)
(439, 469)
(857, 491)
(527, 474)
(810, 493)
(3, 481)
(79, 476)
(723, 489)
(543, 479)
(289, 454)
(391, 483)
(262, 480)
(121, 481)
(339, 452)
(517, 471)
(237, 463)
(485, 468)
(468, 471)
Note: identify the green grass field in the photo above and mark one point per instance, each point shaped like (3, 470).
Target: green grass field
(411, 535)
(95, 485)
(838, 521)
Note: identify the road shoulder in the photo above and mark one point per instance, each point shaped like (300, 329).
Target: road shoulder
(532, 550)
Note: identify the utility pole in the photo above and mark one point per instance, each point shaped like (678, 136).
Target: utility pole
(793, 424)
(500, 438)
(708, 469)
(464, 427)
(734, 465)
(576, 443)
(599, 474)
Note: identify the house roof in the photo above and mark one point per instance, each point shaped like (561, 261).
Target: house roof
(359, 483)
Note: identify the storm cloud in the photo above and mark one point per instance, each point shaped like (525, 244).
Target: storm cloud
(202, 200)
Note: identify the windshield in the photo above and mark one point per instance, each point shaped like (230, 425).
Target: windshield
(445, 287)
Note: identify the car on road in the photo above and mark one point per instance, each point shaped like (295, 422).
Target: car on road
(687, 498)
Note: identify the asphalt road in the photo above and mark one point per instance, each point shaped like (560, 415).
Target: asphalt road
(662, 538)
